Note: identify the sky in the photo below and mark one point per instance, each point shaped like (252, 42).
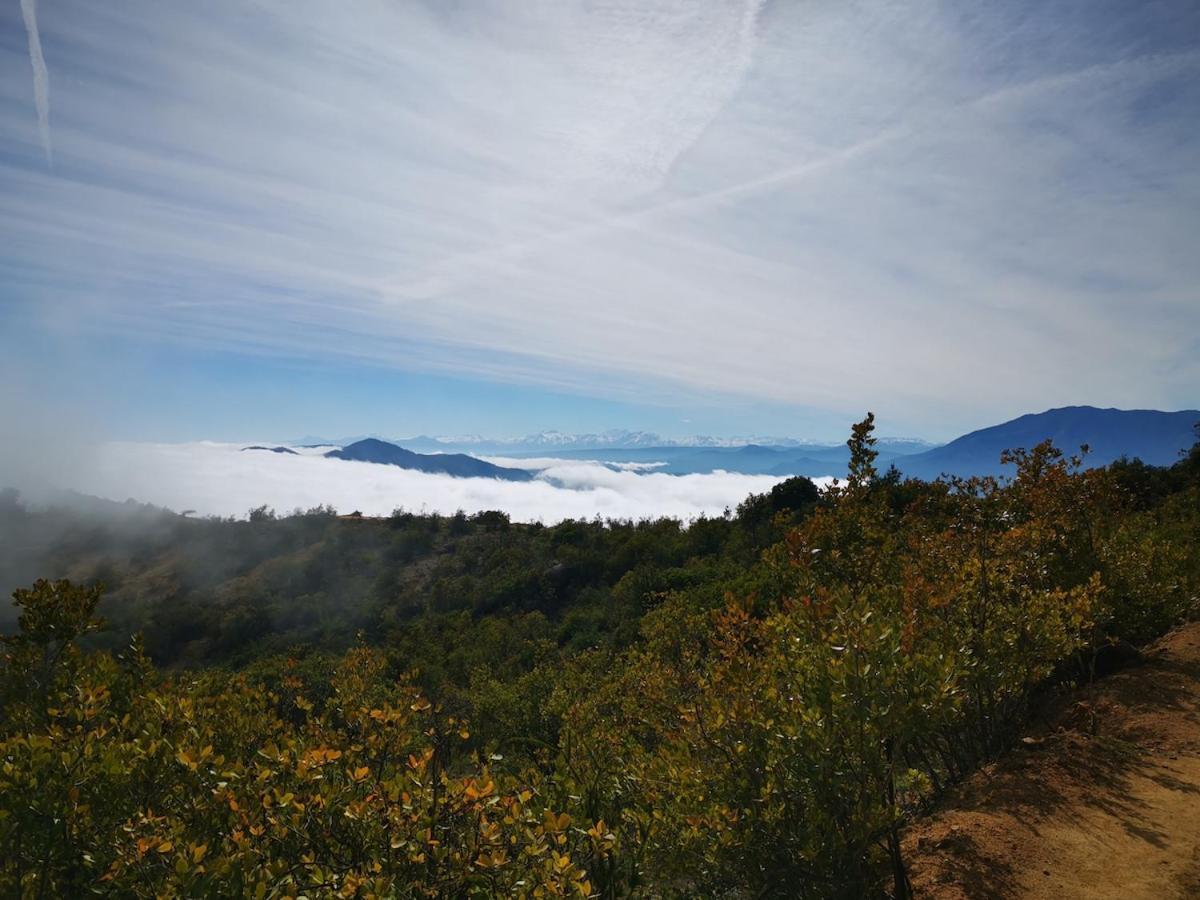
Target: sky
(269, 219)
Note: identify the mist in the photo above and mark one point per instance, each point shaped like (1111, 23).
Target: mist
(222, 479)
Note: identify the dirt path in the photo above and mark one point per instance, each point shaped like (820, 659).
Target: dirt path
(1104, 802)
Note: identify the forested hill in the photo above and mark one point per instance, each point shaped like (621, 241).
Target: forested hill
(213, 590)
(423, 706)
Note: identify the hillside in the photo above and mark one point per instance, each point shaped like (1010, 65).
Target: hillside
(1102, 801)
(1156, 438)
(751, 706)
(212, 590)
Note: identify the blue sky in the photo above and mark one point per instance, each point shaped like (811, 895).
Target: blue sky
(283, 218)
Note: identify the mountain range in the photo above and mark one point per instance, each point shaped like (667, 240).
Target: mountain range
(459, 465)
(555, 442)
(813, 460)
(1155, 437)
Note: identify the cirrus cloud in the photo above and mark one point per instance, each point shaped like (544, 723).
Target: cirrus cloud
(954, 212)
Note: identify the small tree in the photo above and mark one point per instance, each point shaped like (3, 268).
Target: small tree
(41, 656)
(861, 471)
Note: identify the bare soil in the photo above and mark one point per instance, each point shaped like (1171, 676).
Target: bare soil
(1101, 801)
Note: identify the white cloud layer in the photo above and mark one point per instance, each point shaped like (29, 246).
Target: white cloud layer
(221, 479)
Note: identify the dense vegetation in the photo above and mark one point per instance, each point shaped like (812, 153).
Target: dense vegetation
(205, 591)
(426, 706)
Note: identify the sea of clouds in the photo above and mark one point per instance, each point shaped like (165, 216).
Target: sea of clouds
(224, 480)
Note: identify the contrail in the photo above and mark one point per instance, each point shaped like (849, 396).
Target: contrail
(41, 78)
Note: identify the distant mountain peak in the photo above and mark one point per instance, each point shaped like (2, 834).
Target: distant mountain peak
(1153, 436)
(457, 465)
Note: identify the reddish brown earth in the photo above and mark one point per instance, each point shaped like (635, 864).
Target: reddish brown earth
(1103, 801)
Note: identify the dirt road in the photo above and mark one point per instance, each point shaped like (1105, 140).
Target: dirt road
(1101, 802)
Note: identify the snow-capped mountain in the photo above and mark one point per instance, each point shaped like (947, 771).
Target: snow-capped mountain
(612, 439)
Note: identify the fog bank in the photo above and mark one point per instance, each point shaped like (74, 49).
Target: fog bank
(222, 479)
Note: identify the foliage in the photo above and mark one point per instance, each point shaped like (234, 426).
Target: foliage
(146, 786)
(751, 706)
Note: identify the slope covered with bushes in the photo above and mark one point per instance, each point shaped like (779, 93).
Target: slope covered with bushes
(756, 706)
